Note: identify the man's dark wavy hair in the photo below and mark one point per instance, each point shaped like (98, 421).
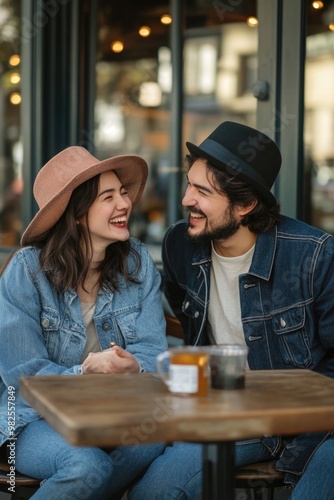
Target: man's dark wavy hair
(262, 217)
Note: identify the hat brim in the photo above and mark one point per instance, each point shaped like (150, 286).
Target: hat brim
(131, 170)
(237, 166)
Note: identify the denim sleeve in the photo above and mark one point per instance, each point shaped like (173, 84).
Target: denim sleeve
(23, 351)
(151, 325)
(323, 294)
(174, 264)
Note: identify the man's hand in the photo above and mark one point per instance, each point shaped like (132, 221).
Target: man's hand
(114, 360)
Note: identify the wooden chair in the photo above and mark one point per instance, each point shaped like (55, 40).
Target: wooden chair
(173, 327)
(25, 486)
(259, 479)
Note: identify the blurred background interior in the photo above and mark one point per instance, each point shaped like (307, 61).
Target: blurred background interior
(144, 76)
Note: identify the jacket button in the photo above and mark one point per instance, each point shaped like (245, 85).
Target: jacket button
(282, 322)
(196, 314)
(45, 323)
(105, 326)
(186, 305)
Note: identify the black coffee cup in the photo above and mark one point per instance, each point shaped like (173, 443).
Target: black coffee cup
(227, 366)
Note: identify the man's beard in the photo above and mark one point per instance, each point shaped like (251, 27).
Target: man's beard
(225, 230)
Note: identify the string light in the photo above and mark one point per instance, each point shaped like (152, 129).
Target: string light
(15, 78)
(117, 46)
(144, 31)
(166, 19)
(317, 5)
(14, 60)
(252, 22)
(15, 98)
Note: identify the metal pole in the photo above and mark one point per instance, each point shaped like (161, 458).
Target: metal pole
(176, 139)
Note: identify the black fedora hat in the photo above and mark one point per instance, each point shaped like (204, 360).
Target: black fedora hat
(245, 152)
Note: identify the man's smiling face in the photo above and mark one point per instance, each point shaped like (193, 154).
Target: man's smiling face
(211, 216)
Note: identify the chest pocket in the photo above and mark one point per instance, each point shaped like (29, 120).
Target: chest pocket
(126, 332)
(289, 326)
(192, 306)
(50, 323)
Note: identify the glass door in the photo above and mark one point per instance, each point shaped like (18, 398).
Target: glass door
(135, 74)
(11, 184)
(319, 116)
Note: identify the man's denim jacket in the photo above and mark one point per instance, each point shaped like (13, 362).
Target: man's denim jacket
(287, 308)
(42, 332)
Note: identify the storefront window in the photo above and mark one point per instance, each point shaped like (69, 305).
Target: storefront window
(319, 117)
(10, 144)
(134, 85)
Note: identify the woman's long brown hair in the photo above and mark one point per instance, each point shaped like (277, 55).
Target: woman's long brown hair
(66, 249)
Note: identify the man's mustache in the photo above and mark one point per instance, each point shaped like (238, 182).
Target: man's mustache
(194, 211)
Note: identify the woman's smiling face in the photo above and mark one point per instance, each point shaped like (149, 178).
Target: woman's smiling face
(108, 216)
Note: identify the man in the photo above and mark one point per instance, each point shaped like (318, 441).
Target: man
(236, 271)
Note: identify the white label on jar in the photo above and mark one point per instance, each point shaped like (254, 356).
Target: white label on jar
(183, 378)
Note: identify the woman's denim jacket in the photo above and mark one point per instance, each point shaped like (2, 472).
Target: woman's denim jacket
(42, 332)
(287, 307)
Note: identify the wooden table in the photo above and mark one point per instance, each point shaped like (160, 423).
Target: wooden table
(109, 410)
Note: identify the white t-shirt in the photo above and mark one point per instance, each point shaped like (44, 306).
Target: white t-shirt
(224, 325)
(92, 343)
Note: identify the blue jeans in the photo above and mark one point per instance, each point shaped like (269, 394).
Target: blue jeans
(317, 481)
(72, 473)
(177, 473)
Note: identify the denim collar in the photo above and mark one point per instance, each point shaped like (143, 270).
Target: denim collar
(263, 258)
(264, 254)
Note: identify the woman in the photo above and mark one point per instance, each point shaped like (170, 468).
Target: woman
(80, 297)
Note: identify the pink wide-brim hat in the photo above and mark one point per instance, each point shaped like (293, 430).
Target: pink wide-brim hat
(56, 181)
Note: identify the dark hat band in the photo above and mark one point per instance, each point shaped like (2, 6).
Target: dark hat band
(216, 150)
